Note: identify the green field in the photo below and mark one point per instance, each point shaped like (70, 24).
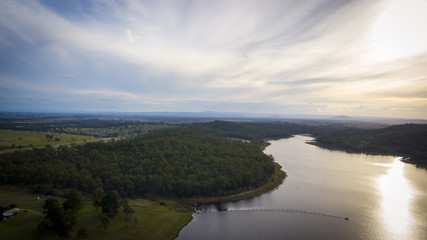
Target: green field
(124, 131)
(11, 140)
(153, 220)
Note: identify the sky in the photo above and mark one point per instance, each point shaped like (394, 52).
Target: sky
(328, 57)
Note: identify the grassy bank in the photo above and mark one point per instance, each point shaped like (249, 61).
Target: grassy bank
(151, 220)
(12, 140)
(273, 183)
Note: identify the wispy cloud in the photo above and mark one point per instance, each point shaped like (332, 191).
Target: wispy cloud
(130, 36)
(111, 94)
(284, 56)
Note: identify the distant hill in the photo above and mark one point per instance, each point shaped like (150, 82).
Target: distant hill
(22, 117)
(343, 118)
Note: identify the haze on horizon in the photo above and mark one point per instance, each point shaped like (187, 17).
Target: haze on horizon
(360, 58)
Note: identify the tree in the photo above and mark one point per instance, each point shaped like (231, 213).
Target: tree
(127, 210)
(97, 204)
(110, 203)
(74, 201)
(44, 227)
(56, 219)
(82, 233)
(98, 193)
(70, 220)
(105, 222)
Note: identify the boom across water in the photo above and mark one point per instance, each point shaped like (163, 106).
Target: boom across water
(274, 210)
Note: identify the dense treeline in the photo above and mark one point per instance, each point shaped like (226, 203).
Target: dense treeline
(409, 140)
(198, 160)
(246, 131)
(258, 131)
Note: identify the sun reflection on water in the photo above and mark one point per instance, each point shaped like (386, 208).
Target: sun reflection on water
(396, 194)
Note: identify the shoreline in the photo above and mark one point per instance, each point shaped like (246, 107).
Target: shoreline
(403, 157)
(275, 181)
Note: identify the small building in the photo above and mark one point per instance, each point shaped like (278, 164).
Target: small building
(11, 212)
(48, 196)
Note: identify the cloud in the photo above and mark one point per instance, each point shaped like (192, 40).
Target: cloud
(130, 36)
(285, 54)
(108, 94)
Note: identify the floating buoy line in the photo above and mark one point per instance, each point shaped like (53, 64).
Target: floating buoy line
(273, 210)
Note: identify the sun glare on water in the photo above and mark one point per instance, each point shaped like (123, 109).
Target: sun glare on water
(400, 30)
(396, 194)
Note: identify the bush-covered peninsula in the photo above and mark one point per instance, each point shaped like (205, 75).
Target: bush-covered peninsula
(200, 160)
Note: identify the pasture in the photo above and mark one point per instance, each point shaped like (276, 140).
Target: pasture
(151, 220)
(11, 140)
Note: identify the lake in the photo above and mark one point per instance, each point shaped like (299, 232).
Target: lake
(382, 198)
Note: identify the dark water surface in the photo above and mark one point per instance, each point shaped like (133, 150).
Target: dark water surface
(382, 197)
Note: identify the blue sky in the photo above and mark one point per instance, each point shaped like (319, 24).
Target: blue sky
(330, 57)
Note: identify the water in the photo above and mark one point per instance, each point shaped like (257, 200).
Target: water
(382, 197)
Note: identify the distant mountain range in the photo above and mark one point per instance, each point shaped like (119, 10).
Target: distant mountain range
(243, 115)
(237, 116)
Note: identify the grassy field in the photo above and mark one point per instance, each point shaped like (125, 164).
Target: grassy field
(151, 220)
(11, 140)
(125, 131)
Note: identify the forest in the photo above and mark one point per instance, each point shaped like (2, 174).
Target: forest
(201, 159)
(198, 160)
(408, 140)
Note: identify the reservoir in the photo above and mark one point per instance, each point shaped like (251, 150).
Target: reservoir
(327, 195)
